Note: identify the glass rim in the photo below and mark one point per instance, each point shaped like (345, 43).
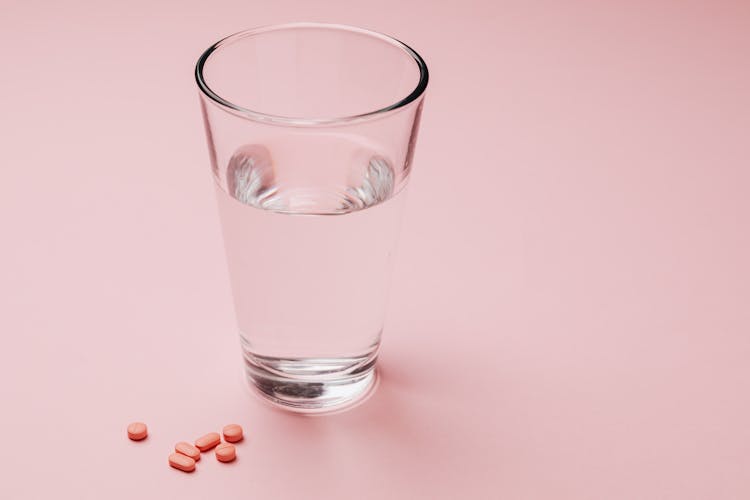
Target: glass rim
(309, 121)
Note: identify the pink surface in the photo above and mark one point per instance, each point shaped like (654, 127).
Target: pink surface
(570, 312)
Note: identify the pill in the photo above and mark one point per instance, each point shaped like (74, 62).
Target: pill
(205, 443)
(137, 431)
(225, 452)
(232, 433)
(188, 450)
(182, 462)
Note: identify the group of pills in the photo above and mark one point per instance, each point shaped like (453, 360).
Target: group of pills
(186, 454)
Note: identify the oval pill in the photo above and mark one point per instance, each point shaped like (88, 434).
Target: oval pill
(188, 450)
(137, 431)
(232, 433)
(182, 462)
(205, 443)
(225, 452)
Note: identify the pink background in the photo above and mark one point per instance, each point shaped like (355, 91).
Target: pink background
(570, 316)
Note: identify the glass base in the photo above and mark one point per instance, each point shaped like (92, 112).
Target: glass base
(312, 385)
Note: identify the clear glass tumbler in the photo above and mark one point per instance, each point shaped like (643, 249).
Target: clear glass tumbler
(311, 131)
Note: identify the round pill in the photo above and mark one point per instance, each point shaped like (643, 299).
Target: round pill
(205, 443)
(137, 431)
(232, 433)
(181, 462)
(225, 452)
(188, 450)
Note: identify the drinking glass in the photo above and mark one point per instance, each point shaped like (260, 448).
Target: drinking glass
(311, 131)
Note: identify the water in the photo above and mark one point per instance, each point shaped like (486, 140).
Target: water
(310, 230)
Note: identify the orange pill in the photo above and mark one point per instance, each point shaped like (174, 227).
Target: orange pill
(188, 450)
(232, 433)
(182, 462)
(225, 452)
(205, 443)
(137, 431)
